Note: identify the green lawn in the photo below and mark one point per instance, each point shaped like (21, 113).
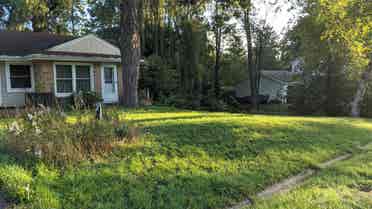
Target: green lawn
(347, 185)
(188, 159)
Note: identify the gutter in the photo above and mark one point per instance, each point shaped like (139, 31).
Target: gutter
(34, 57)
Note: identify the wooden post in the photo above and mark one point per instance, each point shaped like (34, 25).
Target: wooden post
(99, 111)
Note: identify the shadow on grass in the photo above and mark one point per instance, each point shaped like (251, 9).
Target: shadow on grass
(220, 138)
(189, 162)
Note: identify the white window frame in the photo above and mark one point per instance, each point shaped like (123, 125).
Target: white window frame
(73, 65)
(1, 92)
(8, 82)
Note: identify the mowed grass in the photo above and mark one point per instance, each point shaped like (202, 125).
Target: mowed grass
(188, 159)
(347, 185)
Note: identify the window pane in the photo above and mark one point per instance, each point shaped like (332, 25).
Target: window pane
(83, 85)
(82, 71)
(64, 86)
(109, 75)
(64, 71)
(19, 70)
(20, 76)
(64, 78)
(20, 83)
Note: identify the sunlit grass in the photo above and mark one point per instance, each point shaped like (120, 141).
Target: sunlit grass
(190, 159)
(347, 185)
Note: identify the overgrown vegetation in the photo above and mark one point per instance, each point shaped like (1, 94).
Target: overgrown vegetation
(184, 159)
(46, 135)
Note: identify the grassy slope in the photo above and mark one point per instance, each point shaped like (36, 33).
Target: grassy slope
(196, 160)
(347, 185)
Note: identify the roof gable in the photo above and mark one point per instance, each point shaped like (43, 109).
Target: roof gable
(89, 44)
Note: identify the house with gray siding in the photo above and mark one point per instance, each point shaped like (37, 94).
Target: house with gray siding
(58, 65)
(273, 84)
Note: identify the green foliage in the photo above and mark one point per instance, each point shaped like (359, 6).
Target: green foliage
(193, 43)
(159, 77)
(61, 16)
(234, 63)
(84, 99)
(327, 51)
(270, 54)
(188, 159)
(47, 136)
(353, 28)
(367, 103)
(15, 181)
(319, 96)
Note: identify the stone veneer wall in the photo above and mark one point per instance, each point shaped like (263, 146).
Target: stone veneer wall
(44, 78)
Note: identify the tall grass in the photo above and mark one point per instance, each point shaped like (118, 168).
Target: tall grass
(48, 136)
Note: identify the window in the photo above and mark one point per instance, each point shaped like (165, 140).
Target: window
(19, 77)
(109, 75)
(64, 79)
(71, 78)
(83, 78)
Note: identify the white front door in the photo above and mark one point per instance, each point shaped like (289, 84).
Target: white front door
(109, 84)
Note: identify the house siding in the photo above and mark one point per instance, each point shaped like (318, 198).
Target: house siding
(44, 82)
(9, 99)
(44, 77)
(97, 79)
(267, 87)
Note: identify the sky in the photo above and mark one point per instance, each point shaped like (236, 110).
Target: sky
(278, 13)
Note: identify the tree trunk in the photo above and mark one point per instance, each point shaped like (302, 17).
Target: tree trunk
(362, 87)
(218, 40)
(130, 46)
(251, 68)
(217, 69)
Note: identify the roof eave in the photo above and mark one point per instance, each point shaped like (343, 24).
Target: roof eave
(61, 58)
(275, 79)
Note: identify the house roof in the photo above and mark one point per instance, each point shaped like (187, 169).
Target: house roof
(279, 75)
(14, 43)
(42, 45)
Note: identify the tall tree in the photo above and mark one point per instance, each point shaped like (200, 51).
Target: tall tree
(349, 23)
(57, 16)
(245, 8)
(130, 46)
(220, 27)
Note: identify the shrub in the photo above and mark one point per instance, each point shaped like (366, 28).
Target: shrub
(319, 96)
(86, 99)
(15, 181)
(48, 136)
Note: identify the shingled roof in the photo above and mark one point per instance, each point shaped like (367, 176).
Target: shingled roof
(14, 43)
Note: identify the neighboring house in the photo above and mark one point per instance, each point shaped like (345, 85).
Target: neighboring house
(58, 65)
(274, 84)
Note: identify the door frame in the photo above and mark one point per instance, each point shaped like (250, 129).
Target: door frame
(116, 99)
(1, 87)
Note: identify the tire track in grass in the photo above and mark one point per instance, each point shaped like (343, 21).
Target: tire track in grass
(295, 181)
